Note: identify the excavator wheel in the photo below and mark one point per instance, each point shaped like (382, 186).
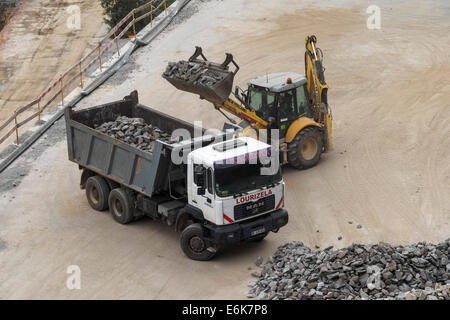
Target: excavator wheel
(305, 150)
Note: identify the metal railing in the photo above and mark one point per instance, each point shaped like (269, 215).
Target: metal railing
(73, 77)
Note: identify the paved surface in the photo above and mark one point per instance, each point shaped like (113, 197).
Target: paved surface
(389, 172)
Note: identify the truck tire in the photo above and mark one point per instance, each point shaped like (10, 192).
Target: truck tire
(194, 245)
(97, 193)
(305, 150)
(120, 205)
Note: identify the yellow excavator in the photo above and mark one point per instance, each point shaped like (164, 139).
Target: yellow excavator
(294, 104)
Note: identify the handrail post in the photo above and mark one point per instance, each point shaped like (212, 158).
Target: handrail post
(100, 56)
(17, 130)
(134, 25)
(81, 76)
(39, 114)
(117, 45)
(151, 16)
(62, 95)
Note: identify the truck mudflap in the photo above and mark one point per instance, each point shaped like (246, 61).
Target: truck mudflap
(246, 230)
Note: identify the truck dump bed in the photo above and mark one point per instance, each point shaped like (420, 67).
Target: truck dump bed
(142, 171)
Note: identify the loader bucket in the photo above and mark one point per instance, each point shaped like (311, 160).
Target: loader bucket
(211, 81)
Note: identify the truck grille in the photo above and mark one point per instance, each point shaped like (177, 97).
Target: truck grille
(249, 209)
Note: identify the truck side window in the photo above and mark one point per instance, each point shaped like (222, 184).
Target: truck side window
(209, 181)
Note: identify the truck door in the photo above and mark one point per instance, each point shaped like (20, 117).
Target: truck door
(203, 195)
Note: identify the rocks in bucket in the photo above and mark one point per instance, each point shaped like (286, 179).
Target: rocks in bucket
(135, 132)
(381, 271)
(194, 73)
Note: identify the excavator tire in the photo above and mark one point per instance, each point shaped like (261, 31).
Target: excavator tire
(305, 150)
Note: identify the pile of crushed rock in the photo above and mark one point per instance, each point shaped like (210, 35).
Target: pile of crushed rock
(419, 271)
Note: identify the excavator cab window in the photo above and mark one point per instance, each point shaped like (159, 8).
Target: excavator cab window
(262, 101)
(287, 110)
(303, 101)
(292, 104)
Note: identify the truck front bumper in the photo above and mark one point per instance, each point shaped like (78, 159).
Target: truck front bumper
(242, 231)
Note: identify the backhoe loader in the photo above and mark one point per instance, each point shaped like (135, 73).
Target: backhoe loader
(294, 104)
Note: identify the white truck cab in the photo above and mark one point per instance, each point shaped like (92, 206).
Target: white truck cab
(238, 188)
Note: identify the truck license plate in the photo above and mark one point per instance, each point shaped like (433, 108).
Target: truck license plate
(257, 231)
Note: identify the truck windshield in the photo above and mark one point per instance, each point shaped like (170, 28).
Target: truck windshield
(262, 101)
(242, 178)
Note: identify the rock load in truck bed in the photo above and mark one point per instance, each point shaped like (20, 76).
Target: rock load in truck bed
(135, 132)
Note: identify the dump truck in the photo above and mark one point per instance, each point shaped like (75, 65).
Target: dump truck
(293, 106)
(212, 188)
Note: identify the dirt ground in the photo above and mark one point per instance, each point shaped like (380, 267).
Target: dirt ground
(389, 171)
(37, 46)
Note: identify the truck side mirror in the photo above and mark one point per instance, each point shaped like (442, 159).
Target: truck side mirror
(201, 191)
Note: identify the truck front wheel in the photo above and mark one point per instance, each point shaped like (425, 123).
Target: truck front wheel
(194, 245)
(97, 193)
(120, 206)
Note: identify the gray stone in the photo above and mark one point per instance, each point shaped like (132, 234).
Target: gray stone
(403, 272)
(256, 274)
(410, 296)
(259, 261)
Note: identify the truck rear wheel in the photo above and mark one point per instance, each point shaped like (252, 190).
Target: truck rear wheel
(120, 206)
(194, 245)
(305, 150)
(97, 193)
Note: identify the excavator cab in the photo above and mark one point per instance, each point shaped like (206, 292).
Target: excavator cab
(279, 98)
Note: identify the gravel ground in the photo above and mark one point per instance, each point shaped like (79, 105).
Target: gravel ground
(417, 271)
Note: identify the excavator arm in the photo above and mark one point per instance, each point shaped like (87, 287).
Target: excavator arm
(241, 112)
(318, 88)
(314, 71)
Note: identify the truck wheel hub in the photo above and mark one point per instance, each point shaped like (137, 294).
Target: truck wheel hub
(197, 244)
(94, 195)
(118, 208)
